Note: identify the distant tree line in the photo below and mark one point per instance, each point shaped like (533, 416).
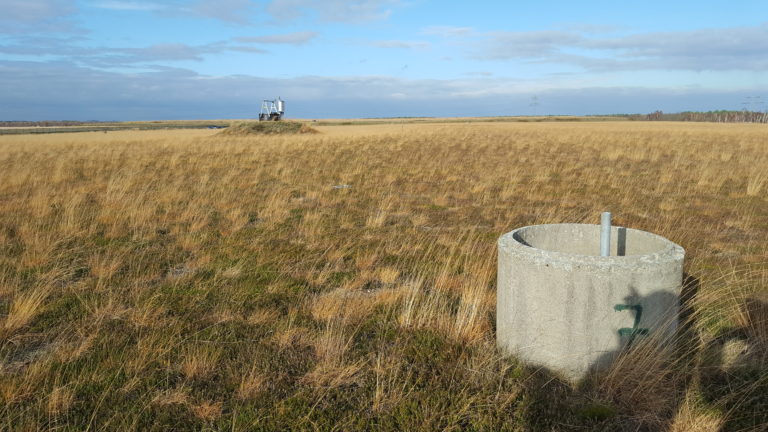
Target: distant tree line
(721, 116)
(47, 123)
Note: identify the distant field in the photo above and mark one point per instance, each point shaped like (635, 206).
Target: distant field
(113, 127)
(345, 280)
(206, 124)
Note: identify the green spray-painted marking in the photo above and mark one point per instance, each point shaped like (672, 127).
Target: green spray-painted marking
(635, 330)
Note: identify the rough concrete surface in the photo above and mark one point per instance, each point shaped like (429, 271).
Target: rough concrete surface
(562, 306)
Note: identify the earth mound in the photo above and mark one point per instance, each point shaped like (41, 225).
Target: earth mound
(267, 128)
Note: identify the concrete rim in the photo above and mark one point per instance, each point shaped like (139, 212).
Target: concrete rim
(511, 243)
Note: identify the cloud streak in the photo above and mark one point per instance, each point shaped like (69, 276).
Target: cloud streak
(296, 38)
(345, 11)
(120, 5)
(401, 44)
(735, 48)
(241, 12)
(25, 16)
(231, 11)
(106, 57)
(448, 31)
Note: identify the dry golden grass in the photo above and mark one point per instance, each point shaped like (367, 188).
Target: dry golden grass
(24, 307)
(693, 418)
(179, 280)
(178, 396)
(207, 410)
(199, 361)
(252, 384)
(60, 400)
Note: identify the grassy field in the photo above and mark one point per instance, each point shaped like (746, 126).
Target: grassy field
(209, 124)
(345, 280)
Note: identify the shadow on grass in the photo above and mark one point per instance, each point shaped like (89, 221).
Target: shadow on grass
(734, 372)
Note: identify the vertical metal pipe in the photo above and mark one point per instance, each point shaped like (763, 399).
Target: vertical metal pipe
(605, 234)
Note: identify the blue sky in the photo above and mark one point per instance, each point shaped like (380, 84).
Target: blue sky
(192, 59)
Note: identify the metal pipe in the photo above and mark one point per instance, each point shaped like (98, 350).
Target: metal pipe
(605, 234)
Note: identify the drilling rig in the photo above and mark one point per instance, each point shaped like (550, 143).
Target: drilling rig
(272, 110)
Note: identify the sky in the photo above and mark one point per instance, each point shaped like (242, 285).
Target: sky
(218, 59)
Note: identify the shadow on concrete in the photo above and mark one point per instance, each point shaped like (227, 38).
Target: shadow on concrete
(639, 387)
(518, 238)
(621, 241)
(642, 386)
(642, 380)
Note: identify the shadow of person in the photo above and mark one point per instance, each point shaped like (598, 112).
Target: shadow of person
(642, 385)
(688, 341)
(647, 377)
(734, 369)
(547, 400)
(639, 386)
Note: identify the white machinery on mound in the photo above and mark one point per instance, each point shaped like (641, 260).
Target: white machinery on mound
(272, 110)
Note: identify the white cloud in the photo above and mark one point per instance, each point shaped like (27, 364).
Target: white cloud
(736, 48)
(28, 16)
(166, 52)
(105, 57)
(37, 10)
(591, 28)
(233, 11)
(745, 45)
(532, 44)
(348, 11)
(129, 5)
(230, 11)
(599, 48)
(296, 38)
(400, 44)
(169, 52)
(448, 31)
(479, 73)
